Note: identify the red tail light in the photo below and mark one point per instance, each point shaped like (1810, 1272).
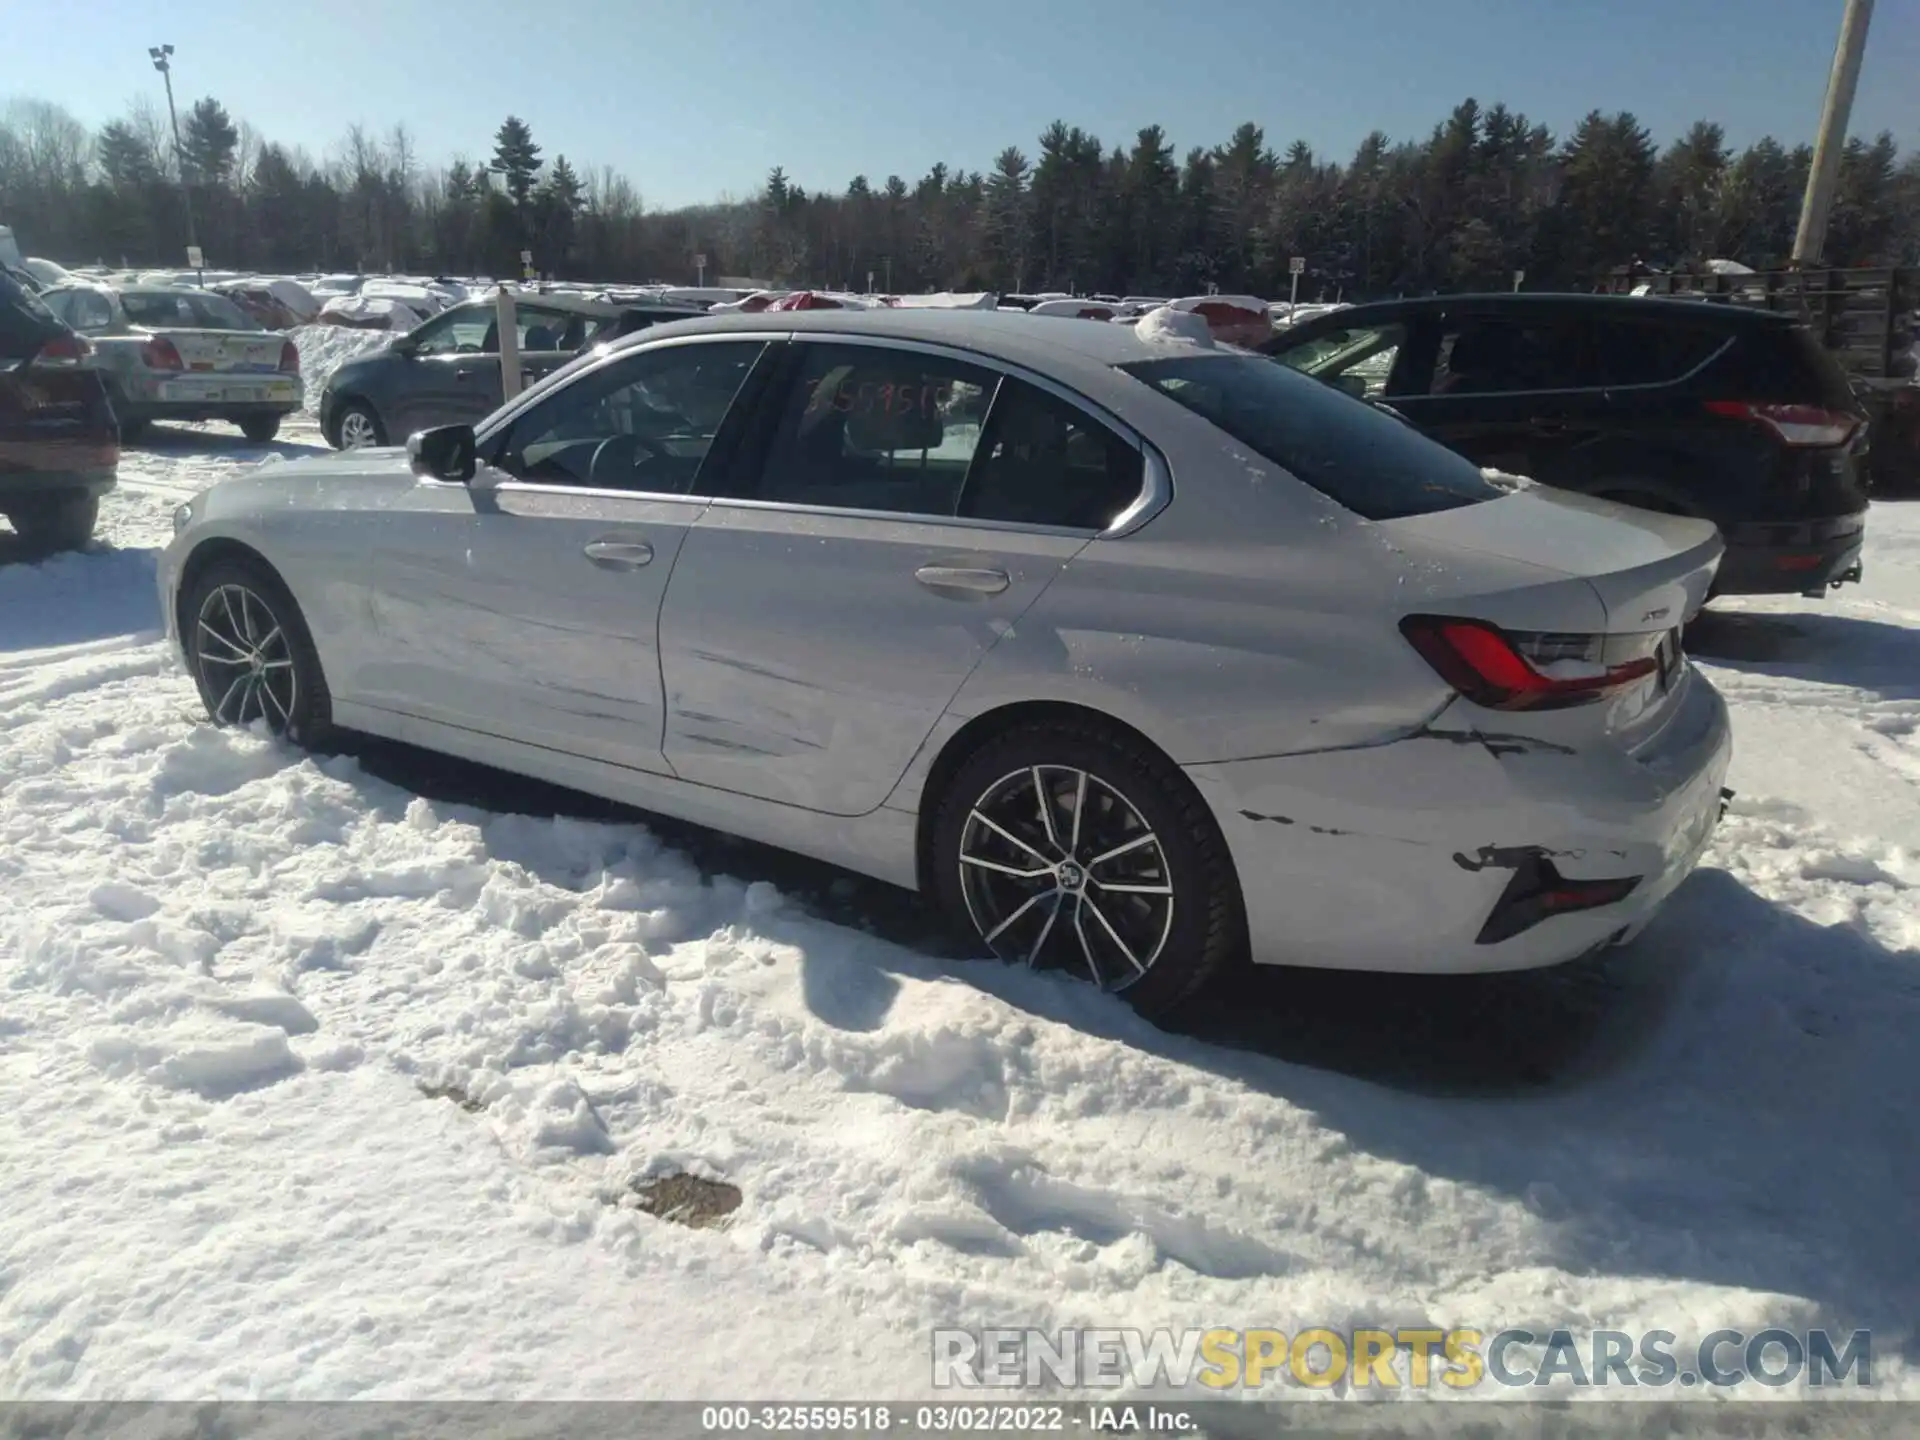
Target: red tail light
(290, 358)
(1503, 670)
(63, 352)
(160, 353)
(1797, 425)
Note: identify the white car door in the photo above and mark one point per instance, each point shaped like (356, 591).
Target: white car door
(536, 618)
(911, 505)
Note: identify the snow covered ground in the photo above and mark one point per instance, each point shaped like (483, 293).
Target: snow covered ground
(332, 1077)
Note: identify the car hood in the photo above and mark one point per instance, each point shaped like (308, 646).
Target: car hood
(1648, 569)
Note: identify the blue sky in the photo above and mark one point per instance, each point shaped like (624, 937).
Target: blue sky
(700, 97)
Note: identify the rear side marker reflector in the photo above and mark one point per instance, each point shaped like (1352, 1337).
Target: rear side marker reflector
(1798, 425)
(1539, 892)
(1504, 670)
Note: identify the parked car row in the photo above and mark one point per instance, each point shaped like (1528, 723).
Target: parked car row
(1144, 656)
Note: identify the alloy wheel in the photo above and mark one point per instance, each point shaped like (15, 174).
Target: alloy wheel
(1059, 869)
(356, 430)
(246, 665)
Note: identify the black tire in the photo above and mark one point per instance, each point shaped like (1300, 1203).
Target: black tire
(1205, 931)
(134, 430)
(260, 428)
(240, 600)
(51, 525)
(337, 436)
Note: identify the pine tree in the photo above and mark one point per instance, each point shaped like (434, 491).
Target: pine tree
(209, 140)
(517, 159)
(1007, 220)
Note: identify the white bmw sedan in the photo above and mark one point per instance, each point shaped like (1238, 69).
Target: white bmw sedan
(1142, 655)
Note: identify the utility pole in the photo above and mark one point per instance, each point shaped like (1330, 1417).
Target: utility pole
(1811, 239)
(163, 62)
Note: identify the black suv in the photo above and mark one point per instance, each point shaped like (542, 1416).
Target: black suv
(1731, 415)
(59, 444)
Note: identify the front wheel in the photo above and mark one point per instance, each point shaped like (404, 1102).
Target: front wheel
(357, 427)
(50, 525)
(250, 653)
(1072, 845)
(260, 428)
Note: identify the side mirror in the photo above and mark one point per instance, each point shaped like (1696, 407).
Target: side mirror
(1354, 385)
(446, 452)
(404, 346)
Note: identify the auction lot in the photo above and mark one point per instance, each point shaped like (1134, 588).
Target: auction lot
(342, 1076)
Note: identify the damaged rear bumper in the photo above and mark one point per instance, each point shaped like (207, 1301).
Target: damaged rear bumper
(1398, 857)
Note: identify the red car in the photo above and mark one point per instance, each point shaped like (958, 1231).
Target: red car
(59, 441)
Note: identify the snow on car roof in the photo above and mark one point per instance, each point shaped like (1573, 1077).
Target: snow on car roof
(1010, 335)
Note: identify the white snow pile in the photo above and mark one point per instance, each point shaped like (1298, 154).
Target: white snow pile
(1728, 267)
(325, 348)
(1169, 326)
(317, 1088)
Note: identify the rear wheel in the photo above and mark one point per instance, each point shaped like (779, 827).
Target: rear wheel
(49, 525)
(1068, 844)
(260, 428)
(356, 426)
(250, 652)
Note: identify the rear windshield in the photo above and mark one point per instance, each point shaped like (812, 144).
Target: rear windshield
(1783, 363)
(1349, 450)
(185, 310)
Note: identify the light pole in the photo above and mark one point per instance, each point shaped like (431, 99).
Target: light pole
(1824, 173)
(163, 62)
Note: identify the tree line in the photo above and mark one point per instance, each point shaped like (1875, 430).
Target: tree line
(1487, 193)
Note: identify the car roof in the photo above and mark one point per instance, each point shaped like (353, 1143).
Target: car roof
(1039, 342)
(1644, 307)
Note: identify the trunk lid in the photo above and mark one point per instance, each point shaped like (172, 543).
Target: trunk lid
(1650, 571)
(225, 352)
(1644, 576)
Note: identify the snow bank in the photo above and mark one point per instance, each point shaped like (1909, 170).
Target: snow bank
(1728, 267)
(325, 348)
(318, 1088)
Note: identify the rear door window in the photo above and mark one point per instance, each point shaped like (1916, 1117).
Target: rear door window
(1634, 352)
(1497, 355)
(1349, 450)
(872, 428)
(1045, 462)
(1358, 360)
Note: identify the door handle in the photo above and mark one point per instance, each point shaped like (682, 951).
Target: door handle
(463, 375)
(1547, 425)
(619, 554)
(952, 577)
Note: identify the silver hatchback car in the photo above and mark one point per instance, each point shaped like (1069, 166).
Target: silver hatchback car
(1142, 655)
